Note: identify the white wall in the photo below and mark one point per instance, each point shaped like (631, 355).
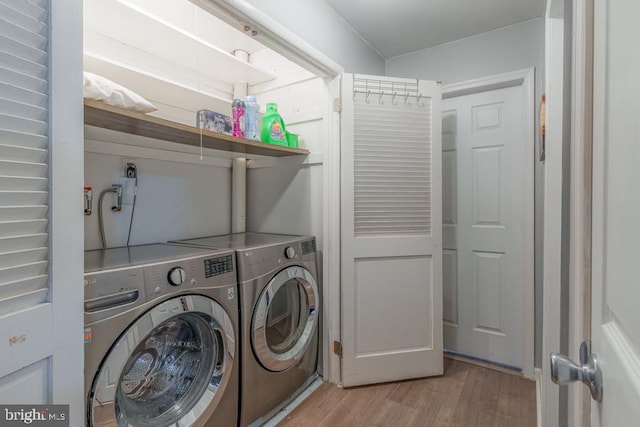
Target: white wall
(285, 200)
(507, 49)
(318, 24)
(289, 198)
(176, 199)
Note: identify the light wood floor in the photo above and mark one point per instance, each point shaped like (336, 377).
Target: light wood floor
(466, 396)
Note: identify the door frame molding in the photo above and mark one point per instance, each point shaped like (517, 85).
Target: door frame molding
(553, 170)
(524, 78)
(271, 33)
(332, 245)
(579, 399)
(66, 241)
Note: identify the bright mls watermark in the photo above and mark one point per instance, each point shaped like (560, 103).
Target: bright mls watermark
(37, 415)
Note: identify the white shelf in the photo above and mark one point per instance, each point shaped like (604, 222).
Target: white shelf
(134, 27)
(175, 102)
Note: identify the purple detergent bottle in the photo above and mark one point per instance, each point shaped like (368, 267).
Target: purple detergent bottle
(237, 113)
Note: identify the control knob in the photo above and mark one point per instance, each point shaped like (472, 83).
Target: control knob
(289, 252)
(177, 276)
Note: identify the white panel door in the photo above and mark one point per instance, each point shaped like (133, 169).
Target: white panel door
(29, 384)
(616, 212)
(484, 147)
(391, 229)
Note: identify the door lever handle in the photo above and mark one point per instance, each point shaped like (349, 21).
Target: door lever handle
(565, 371)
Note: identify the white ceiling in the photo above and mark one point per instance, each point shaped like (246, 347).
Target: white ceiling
(394, 27)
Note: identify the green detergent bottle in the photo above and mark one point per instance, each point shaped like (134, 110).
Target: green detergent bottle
(273, 130)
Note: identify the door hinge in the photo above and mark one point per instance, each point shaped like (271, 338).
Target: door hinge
(337, 348)
(337, 105)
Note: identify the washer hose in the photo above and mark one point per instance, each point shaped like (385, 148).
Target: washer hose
(100, 221)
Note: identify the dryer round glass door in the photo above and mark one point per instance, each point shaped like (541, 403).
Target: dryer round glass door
(169, 368)
(285, 318)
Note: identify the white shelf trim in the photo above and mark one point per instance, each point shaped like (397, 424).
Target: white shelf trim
(122, 150)
(313, 159)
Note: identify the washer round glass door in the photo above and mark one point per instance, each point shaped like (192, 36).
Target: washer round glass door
(285, 318)
(169, 368)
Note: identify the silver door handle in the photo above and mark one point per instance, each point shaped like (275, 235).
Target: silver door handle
(565, 371)
(110, 301)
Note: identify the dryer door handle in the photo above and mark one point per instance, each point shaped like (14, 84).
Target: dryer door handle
(110, 301)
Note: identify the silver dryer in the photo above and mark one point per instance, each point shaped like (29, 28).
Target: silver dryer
(279, 314)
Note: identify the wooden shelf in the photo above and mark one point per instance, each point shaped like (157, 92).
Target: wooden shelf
(108, 117)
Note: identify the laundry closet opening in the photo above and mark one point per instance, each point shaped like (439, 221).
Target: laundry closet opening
(157, 176)
(183, 59)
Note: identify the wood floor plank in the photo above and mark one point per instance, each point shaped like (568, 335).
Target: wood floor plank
(466, 395)
(450, 388)
(390, 413)
(315, 408)
(479, 400)
(359, 407)
(514, 404)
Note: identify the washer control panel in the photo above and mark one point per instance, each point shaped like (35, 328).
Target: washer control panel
(177, 276)
(191, 273)
(289, 252)
(217, 266)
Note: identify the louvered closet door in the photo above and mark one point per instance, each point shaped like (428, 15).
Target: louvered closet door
(25, 318)
(391, 229)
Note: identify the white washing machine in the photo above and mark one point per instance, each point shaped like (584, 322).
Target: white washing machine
(161, 337)
(279, 312)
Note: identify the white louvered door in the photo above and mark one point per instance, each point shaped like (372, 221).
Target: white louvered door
(25, 317)
(41, 348)
(391, 225)
(24, 116)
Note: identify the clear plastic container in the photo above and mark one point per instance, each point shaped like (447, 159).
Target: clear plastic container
(251, 116)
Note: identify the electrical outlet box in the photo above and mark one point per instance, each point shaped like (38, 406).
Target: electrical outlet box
(130, 168)
(128, 190)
